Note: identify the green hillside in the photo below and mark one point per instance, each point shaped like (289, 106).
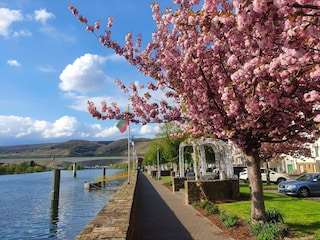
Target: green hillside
(74, 148)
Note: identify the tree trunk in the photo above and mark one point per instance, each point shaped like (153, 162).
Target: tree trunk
(254, 175)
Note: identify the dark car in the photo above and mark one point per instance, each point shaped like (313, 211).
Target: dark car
(304, 186)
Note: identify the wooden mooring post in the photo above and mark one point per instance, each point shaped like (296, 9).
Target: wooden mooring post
(55, 186)
(103, 177)
(74, 169)
(55, 200)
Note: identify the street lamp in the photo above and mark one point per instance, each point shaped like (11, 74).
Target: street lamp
(158, 163)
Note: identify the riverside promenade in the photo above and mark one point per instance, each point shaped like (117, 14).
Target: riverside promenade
(162, 214)
(147, 210)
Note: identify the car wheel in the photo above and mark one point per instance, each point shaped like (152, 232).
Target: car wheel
(303, 192)
(280, 180)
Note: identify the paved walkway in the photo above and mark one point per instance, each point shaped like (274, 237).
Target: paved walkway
(162, 214)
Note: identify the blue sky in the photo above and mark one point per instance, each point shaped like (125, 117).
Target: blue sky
(50, 67)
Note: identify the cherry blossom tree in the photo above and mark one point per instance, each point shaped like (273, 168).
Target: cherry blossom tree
(247, 71)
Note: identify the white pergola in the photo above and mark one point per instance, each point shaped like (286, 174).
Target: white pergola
(222, 152)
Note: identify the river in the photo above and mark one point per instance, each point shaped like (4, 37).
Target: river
(25, 204)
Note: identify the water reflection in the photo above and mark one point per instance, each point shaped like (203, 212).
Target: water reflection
(26, 213)
(54, 219)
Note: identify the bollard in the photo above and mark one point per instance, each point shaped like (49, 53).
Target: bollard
(103, 176)
(74, 169)
(54, 201)
(55, 186)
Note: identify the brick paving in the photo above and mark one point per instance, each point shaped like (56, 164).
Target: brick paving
(162, 214)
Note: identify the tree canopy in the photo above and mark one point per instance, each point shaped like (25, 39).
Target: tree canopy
(247, 71)
(168, 147)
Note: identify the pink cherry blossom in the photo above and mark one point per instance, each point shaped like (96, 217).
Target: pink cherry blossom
(246, 71)
(312, 96)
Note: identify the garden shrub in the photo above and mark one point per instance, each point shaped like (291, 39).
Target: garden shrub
(212, 209)
(205, 204)
(274, 228)
(223, 216)
(201, 204)
(269, 231)
(208, 206)
(256, 228)
(274, 216)
(196, 204)
(229, 220)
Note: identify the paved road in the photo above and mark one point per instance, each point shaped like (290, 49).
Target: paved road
(161, 214)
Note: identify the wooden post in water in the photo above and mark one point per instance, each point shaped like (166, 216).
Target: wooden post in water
(55, 200)
(55, 188)
(74, 169)
(103, 176)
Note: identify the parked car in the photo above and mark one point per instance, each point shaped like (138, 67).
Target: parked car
(237, 170)
(304, 186)
(275, 177)
(212, 173)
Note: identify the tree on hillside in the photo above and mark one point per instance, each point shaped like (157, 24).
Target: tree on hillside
(247, 71)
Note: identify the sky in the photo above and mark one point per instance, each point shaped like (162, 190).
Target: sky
(50, 67)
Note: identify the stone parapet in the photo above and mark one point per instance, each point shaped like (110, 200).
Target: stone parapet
(115, 219)
(213, 190)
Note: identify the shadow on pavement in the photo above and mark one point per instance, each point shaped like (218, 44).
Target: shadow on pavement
(154, 219)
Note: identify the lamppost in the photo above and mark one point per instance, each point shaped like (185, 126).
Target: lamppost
(316, 148)
(158, 162)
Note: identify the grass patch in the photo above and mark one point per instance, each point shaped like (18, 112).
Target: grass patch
(167, 181)
(301, 215)
(166, 178)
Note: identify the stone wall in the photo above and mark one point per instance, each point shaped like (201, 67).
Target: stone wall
(113, 221)
(154, 173)
(214, 190)
(178, 183)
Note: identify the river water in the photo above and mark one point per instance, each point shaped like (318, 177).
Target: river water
(25, 204)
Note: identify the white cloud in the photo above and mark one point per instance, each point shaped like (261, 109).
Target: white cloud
(23, 130)
(63, 127)
(16, 127)
(13, 63)
(148, 129)
(84, 74)
(7, 18)
(42, 15)
(107, 132)
(115, 58)
(25, 127)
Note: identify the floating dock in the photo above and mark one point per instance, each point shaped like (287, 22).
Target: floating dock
(100, 182)
(92, 185)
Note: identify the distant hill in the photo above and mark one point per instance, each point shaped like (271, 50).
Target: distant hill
(74, 148)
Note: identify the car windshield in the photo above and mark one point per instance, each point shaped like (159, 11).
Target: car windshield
(304, 177)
